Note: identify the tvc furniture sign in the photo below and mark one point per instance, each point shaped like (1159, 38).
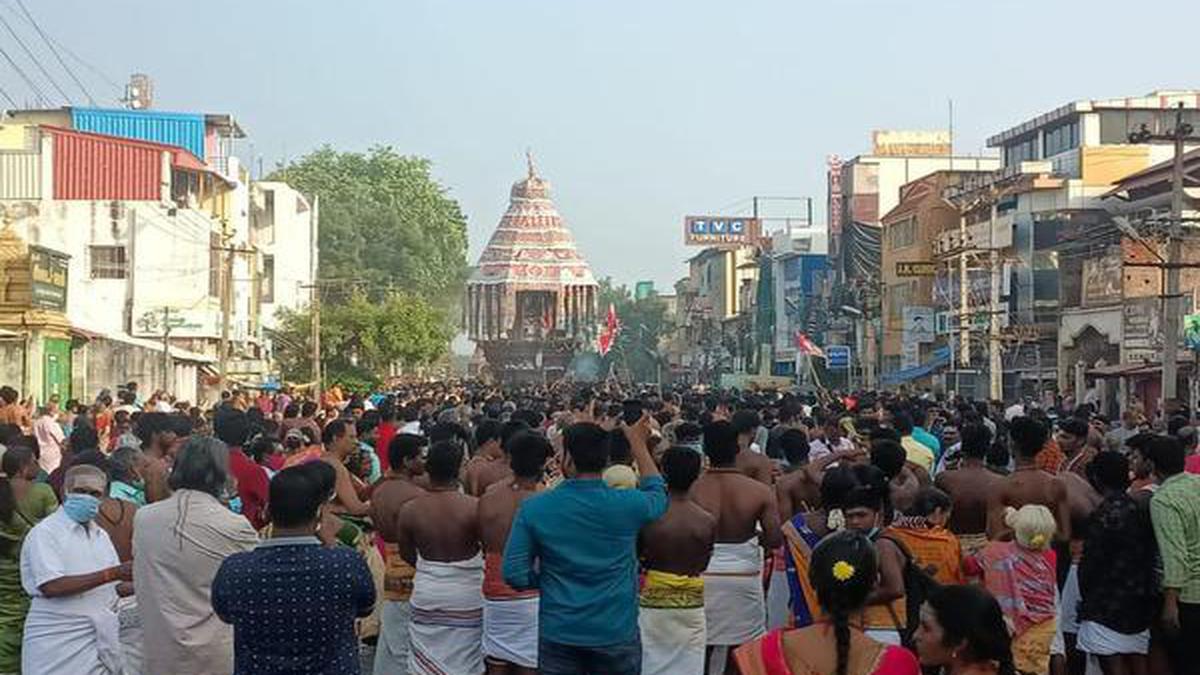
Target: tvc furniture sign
(720, 231)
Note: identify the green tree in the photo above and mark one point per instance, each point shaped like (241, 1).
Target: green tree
(384, 221)
(362, 337)
(644, 323)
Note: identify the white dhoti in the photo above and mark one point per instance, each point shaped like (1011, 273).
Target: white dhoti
(779, 594)
(510, 630)
(1068, 607)
(673, 625)
(391, 651)
(734, 606)
(445, 633)
(130, 634)
(76, 642)
(1098, 639)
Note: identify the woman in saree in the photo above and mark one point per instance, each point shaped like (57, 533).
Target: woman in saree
(22, 504)
(843, 570)
(962, 632)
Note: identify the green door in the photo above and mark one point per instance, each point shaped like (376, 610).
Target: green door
(57, 371)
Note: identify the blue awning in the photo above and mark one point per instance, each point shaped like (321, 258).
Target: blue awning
(941, 359)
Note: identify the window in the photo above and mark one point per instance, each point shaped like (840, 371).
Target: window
(268, 279)
(903, 233)
(1024, 150)
(1116, 125)
(900, 296)
(108, 262)
(214, 265)
(269, 205)
(1061, 138)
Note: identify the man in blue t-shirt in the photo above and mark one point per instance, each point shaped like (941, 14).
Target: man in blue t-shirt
(577, 544)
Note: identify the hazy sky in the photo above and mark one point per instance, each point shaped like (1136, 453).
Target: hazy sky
(638, 112)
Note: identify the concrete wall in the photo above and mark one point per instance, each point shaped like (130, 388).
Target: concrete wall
(289, 238)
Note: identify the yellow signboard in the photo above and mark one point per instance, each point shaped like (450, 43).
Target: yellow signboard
(916, 269)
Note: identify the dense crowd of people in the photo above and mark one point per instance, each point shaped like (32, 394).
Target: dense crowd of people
(456, 528)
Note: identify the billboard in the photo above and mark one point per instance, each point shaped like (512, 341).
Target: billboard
(48, 278)
(721, 231)
(915, 268)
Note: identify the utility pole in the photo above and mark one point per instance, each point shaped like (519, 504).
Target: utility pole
(316, 339)
(1170, 296)
(166, 346)
(995, 367)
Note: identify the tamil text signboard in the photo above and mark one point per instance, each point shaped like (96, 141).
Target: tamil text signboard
(721, 231)
(48, 279)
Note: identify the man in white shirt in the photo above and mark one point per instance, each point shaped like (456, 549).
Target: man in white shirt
(70, 570)
(831, 441)
(50, 437)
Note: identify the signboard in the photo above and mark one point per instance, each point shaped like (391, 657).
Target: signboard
(910, 355)
(1102, 280)
(48, 279)
(721, 231)
(1143, 325)
(918, 324)
(906, 143)
(833, 164)
(837, 357)
(643, 289)
(1191, 331)
(915, 268)
(149, 322)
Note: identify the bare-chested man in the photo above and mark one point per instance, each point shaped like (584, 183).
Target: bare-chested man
(889, 457)
(970, 486)
(1028, 484)
(510, 617)
(340, 440)
(733, 592)
(406, 459)
(675, 550)
(439, 533)
(754, 464)
(796, 490)
(488, 464)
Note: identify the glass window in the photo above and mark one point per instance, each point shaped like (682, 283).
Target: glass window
(903, 233)
(108, 262)
(268, 279)
(1023, 150)
(1062, 137)
(1045, 233)
(1114, 127)
(1045, 285)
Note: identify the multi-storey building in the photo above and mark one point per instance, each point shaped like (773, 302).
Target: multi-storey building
(1029, 230)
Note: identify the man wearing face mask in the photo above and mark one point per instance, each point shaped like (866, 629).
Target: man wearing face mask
(71, 570)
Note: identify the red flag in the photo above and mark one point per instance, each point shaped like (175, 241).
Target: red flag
(612, 326)
(807, 346)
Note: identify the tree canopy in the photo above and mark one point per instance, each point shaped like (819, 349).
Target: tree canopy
(644, 322)
(361, 338)
(384, 221)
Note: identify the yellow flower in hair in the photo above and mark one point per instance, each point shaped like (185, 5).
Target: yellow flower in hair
(843, 571)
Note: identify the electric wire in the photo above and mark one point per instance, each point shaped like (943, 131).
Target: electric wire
(57, 56)
(37, 93)
(32, 57)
